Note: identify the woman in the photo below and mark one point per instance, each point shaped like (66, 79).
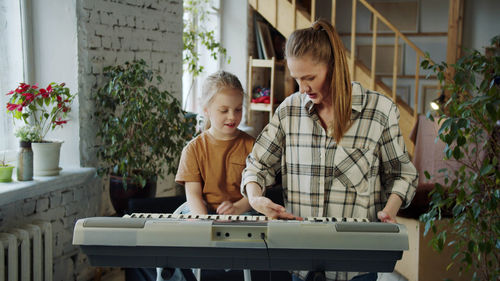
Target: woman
(337, 145)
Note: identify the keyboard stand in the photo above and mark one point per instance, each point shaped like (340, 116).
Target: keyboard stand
(316, 276)
(168, 273)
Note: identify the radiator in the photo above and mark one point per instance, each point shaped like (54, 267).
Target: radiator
(26, 253)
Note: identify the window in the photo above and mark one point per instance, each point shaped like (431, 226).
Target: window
(11, 70)
(192, 87)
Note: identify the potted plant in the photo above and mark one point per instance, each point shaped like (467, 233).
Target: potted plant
(42, 109)
(141, 131)
(5, 171)
(470, 128)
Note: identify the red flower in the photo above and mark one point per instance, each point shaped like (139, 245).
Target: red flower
(10, 93)
(13, 106)
(60, 122)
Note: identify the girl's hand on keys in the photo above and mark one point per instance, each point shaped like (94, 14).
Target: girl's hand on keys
(226, 208)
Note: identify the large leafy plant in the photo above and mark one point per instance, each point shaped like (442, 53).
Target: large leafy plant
(142, 129)
(470, 128)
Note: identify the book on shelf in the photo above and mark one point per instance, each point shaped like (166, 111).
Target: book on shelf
(263, 36)
(258, 44)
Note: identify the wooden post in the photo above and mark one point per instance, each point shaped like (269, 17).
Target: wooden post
(313, 11)
(395, 67)
(417, 76)
(374, 53)
(334, 12)
(455, 29)
(249, 91)
(353, 39)
(276, 13)
(294, 9)
(271, 102)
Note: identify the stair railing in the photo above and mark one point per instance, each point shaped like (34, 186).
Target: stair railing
(397, 35)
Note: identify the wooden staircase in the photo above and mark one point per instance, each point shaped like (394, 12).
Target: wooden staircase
(288, 15)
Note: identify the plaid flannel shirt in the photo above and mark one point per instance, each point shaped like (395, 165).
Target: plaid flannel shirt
(353, 178)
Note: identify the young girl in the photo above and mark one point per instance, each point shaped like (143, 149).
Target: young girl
(211, 164)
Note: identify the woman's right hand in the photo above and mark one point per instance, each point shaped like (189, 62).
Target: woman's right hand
(264, 205)
(270, 209)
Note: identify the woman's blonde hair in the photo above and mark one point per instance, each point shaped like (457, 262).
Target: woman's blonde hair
(216, 83)
(323, 45)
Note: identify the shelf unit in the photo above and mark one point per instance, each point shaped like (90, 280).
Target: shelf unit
(273, 65)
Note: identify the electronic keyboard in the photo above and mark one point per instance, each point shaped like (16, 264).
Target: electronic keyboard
(241, 242)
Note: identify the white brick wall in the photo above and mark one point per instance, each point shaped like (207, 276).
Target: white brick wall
(62, 207)
(112, 32)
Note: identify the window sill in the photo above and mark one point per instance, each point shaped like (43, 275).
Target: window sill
(20, 190)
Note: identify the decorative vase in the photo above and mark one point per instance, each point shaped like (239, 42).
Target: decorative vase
(46, 158)
(6, 173)
(119, 196)
(25, 162)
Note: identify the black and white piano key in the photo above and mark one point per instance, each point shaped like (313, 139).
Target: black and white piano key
(238, 217)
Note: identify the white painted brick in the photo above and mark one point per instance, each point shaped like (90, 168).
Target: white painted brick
(143, 55)
(42, 205)
(78, 194)
(29, 207)
(121, 20)
(94, 17)
(116, 43)
(93, 42)
(55, 199)
(51, 214)
(70, 209)
(67, 197)
(57, 226)
(100, 30)
(106, 42)
(108, 18)
(88, 4)
(130, 21)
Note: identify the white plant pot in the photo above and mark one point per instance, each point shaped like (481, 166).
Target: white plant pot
(46, 158)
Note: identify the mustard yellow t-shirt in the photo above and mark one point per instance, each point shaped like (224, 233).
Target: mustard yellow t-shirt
(217, 164)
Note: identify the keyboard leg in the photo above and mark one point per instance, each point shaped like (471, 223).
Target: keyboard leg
(316, 276)
(188, 274)
(166, 274)
(247, 276)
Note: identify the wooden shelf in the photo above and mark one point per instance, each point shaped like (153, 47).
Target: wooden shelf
(262, 107)
(271, 64)
(267, 63)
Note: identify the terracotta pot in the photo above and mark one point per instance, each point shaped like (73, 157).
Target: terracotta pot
(120, 196)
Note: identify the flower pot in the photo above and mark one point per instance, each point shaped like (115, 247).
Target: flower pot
(119, 195)
(6, 173)
(46, 158)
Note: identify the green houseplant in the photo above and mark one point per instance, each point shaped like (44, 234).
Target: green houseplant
(470, 128)
(141, 131)
(42, 110)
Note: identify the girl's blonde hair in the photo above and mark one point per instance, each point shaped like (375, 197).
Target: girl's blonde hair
(216, 83)
(322, 44)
